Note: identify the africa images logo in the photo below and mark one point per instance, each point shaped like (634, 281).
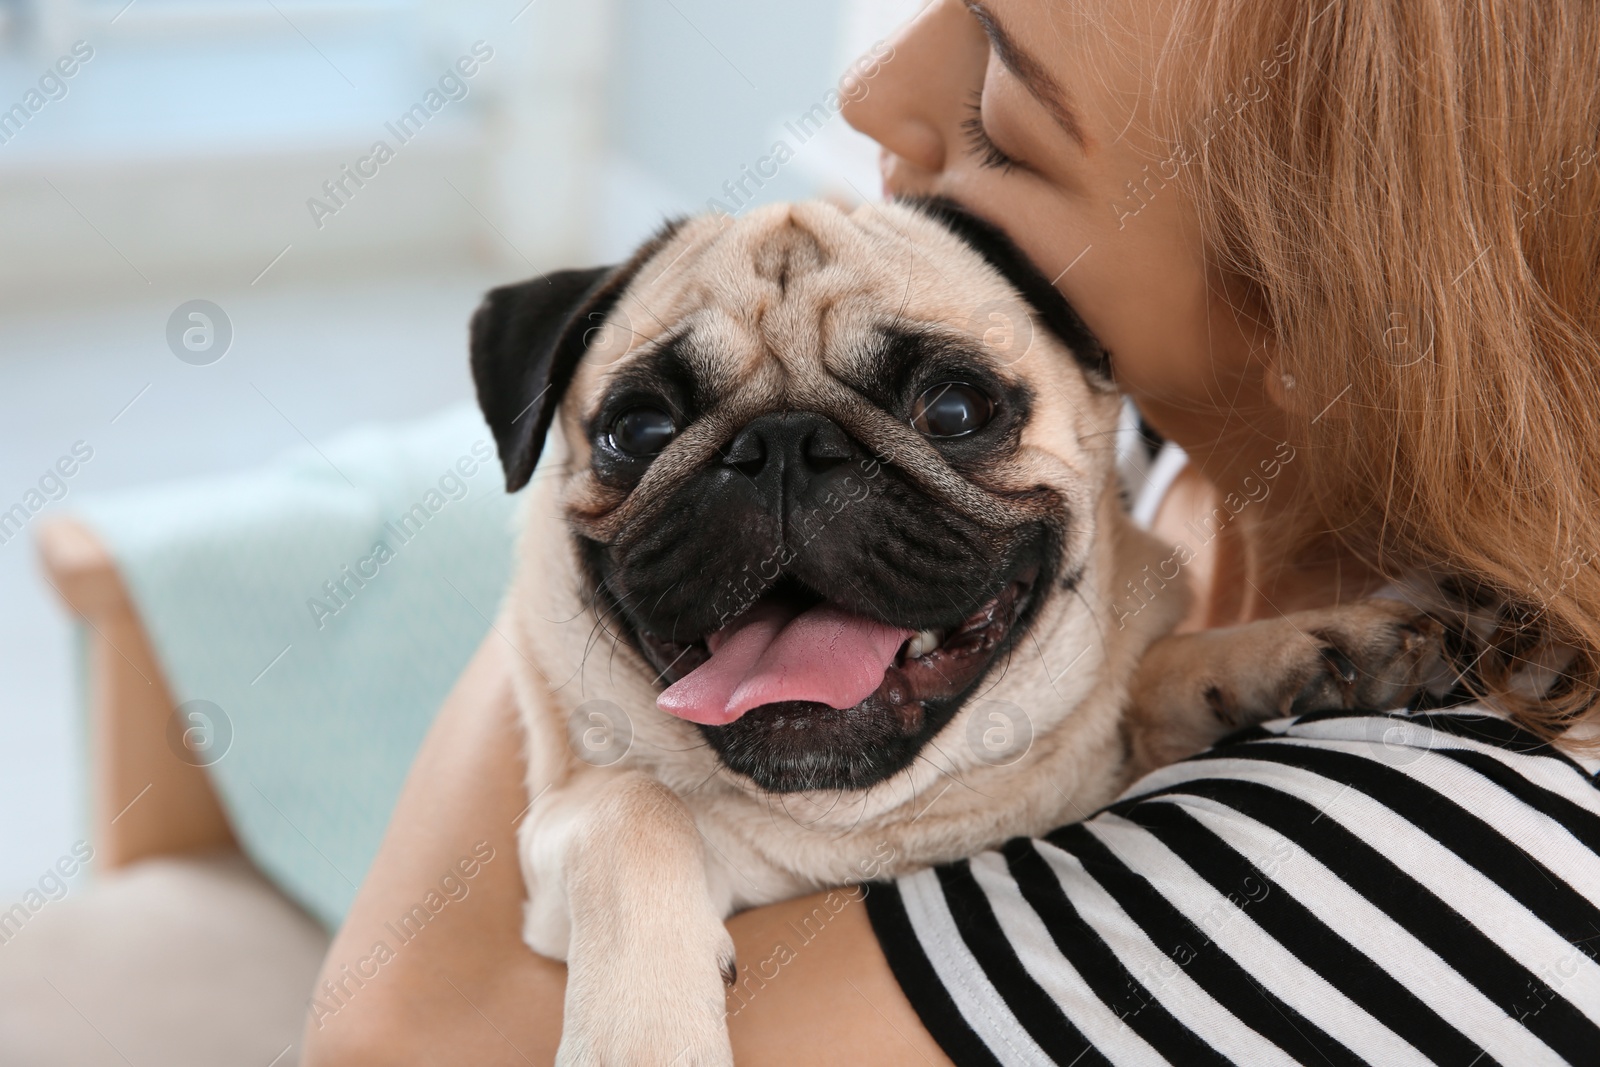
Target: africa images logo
(453, 85)
(52, 87)
(341, 590)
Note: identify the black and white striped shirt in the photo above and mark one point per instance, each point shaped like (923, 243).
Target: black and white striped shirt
(1342, 888)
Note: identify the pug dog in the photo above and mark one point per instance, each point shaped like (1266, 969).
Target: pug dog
(818, 583)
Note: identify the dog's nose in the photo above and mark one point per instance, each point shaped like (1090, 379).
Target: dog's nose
(784, 451)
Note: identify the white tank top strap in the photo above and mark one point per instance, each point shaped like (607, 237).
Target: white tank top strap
(1146, 474)
(1163, 471)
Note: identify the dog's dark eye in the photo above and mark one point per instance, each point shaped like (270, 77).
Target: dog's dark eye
(642, 431)
(951, 409)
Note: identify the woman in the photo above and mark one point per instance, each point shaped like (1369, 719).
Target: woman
(1366, 227)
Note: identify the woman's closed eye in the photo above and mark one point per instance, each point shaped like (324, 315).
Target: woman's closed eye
(980, 144)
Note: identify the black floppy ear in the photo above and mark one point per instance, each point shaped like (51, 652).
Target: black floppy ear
(527, 340)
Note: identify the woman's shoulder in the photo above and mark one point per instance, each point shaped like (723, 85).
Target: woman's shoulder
(1405, 887)
(1463, 747)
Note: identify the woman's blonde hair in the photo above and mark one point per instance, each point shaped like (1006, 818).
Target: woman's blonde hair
(1412, 190)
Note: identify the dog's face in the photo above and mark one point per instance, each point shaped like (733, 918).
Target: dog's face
(826, 470)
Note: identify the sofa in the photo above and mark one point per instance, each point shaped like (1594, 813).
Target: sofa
(260, 656)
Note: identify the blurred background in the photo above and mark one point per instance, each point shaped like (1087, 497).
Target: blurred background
(157, 152)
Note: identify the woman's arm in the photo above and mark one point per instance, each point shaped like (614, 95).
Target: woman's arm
(430, 966)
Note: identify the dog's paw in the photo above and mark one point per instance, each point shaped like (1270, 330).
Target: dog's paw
(672, 1042)
(1194, 688)
(1372, 655)
(675, 1022)
(654, 999)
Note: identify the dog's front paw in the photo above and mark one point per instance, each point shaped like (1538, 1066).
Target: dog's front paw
(1374, 655)
(676, 1041)
(1193, 688)
(658, 1002)
(648, 958)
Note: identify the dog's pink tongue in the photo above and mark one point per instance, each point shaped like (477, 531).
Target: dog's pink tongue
(773, 653)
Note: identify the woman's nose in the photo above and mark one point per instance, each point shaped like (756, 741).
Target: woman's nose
(913, 105)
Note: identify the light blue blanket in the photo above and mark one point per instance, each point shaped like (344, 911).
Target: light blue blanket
(325, 603)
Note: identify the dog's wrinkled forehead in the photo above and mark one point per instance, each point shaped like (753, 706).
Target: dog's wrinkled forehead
(798, 306)
(774, 305)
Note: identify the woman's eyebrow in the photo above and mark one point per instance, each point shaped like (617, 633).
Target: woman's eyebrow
(1030, 72)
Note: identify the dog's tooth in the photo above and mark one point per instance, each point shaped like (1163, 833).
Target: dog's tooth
(924, 642)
